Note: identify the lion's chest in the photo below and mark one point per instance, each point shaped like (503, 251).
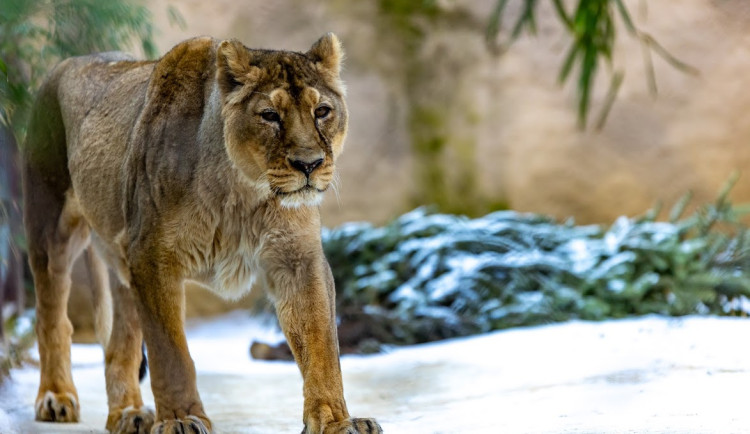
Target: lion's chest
(234, 275)
(229, 264)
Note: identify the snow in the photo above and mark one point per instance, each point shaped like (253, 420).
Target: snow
(650, 374)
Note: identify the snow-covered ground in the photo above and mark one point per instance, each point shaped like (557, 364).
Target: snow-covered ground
(652, 374)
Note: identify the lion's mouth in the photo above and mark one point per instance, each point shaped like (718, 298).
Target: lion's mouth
(307, 195)
(307, 189)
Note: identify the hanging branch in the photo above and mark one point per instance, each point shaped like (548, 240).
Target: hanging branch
(593, 30)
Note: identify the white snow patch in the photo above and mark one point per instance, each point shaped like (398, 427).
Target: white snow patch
(6, 425)
(651, 374)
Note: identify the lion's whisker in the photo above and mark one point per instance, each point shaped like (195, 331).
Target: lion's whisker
(335, 187)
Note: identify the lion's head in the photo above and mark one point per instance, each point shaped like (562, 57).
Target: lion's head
(285, 118)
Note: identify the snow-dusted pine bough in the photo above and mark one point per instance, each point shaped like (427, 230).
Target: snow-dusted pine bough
(429, 276)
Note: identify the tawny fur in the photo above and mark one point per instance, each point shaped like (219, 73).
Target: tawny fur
(209, 165)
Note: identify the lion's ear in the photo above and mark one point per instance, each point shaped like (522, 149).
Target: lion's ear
(233, 67)
(327, 54)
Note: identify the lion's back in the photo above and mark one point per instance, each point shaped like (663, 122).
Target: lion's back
(80, 93)
(80, 124)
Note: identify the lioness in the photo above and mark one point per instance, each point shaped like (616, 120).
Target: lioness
(208, 164)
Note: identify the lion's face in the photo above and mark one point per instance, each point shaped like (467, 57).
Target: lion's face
(285, 119)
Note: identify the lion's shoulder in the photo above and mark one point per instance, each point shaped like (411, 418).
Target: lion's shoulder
(180, 76)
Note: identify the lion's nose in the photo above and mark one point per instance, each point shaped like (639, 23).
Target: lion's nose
(306, 167)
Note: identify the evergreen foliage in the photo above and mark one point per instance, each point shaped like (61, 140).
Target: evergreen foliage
(429, 276)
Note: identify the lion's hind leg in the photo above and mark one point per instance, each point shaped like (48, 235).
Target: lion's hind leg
(124, 357)
(57, 233)
(118, 330)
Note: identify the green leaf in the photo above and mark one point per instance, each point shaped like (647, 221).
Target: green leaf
(625, 15)
(679, 207)
(527, 19)
(568, 63)
(495, 22)
(609, 100)
(560, 9)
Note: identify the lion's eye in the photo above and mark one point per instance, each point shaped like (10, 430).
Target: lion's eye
(270, 116)
(322, 111)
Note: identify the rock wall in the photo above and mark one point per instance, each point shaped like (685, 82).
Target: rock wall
(691, 136)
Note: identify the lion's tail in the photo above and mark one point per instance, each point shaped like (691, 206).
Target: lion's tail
(143, 369)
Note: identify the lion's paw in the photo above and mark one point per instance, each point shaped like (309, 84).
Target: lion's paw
(366, 426)
(57, 407)
(352, 426)
(190, 425)
(134, 421)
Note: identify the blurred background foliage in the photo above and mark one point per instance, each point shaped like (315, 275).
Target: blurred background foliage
(34, 36)
(592, 26)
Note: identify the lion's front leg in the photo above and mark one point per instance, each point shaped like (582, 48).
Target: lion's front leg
(160, 300)
(305, 304)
